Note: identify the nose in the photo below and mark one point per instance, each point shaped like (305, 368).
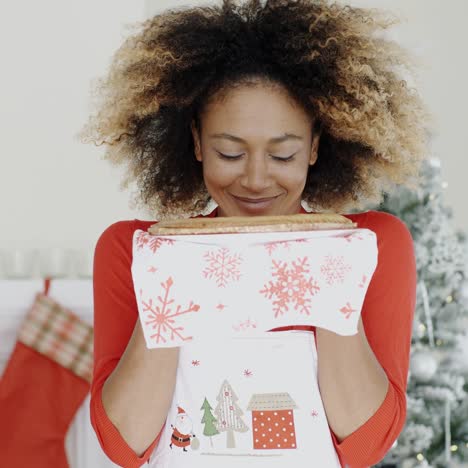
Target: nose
(256, 177)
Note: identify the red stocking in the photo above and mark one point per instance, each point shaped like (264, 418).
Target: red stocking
(45, 381)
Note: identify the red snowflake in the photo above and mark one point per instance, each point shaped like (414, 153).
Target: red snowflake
(271, 246)
(223, 266)
(245, 325)
(363, 281)
(334, 269)
(352, 236)
(195, 362)
(347, 310)
(161, 316)
(153, 242)
(247, 373)
(220, 307)
(292, 285)
(314, 413)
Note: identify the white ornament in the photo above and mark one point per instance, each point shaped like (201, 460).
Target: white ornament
(419, 329)
(462, 348)
(434, 162)
(464, 290)
(423, 365)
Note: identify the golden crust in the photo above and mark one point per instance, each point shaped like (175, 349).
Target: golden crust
(238, 224)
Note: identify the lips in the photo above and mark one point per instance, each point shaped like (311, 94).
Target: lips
(254, 205)
(254, 200)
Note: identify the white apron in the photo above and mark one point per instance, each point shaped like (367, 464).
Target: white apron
(247, 400)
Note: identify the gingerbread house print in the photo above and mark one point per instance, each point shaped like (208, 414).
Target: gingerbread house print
(273, 421)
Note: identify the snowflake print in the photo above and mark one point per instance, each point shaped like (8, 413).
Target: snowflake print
(162, 318)
(220, 307)
(195, 363)
(245, 325)
(314, 413)
(153, 242)
(292, 284)
(223, 266)
(363, 281)
(271, 246)
(352, 236)
(248, 373)
(142, 239)
(334, 269)
(347, 310)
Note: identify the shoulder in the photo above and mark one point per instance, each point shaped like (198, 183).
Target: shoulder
(115, 242)
(120, 232)
(118, 237)
(389, 228)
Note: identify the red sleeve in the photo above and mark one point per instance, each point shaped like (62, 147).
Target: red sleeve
(387, 316)
(115, 315)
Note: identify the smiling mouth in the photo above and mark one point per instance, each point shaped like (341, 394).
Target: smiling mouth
(255, 205)
(255, 200)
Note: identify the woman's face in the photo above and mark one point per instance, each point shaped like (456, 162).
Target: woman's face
(256, 146)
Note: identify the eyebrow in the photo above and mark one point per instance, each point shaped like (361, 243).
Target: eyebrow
(280, 139)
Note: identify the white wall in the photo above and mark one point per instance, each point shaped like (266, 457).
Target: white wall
(55, 191)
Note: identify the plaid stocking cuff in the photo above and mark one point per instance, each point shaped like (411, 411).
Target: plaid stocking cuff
(58, 333)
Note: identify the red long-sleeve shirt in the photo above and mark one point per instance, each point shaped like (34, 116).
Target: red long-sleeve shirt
(387, 316)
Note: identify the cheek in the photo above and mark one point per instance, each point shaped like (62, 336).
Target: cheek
(219, 172)
(293, 177)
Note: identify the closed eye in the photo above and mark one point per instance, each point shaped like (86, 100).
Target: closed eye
(283, 158)
(230, 156)
(237, 156)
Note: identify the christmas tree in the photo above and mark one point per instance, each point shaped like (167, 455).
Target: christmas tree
(209, 420)
(229, 414)
(436, 430)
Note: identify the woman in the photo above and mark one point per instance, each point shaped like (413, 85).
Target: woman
(260, 109)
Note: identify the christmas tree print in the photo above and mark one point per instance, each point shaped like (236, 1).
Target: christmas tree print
(292, 284)
(223, 266)
(162, 317)
(153, 242)
(334, 269)
(229, 414)
(209, 420)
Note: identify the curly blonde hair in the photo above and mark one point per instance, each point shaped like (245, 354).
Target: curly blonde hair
(374, 130)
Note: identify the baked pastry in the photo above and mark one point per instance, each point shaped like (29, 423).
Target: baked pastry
(236, 224)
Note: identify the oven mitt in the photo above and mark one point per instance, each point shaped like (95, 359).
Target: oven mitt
(216, 286)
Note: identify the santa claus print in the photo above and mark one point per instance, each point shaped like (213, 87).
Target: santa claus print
(181, 430)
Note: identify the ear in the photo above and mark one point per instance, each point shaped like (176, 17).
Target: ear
(315, 145)
(196, 142)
